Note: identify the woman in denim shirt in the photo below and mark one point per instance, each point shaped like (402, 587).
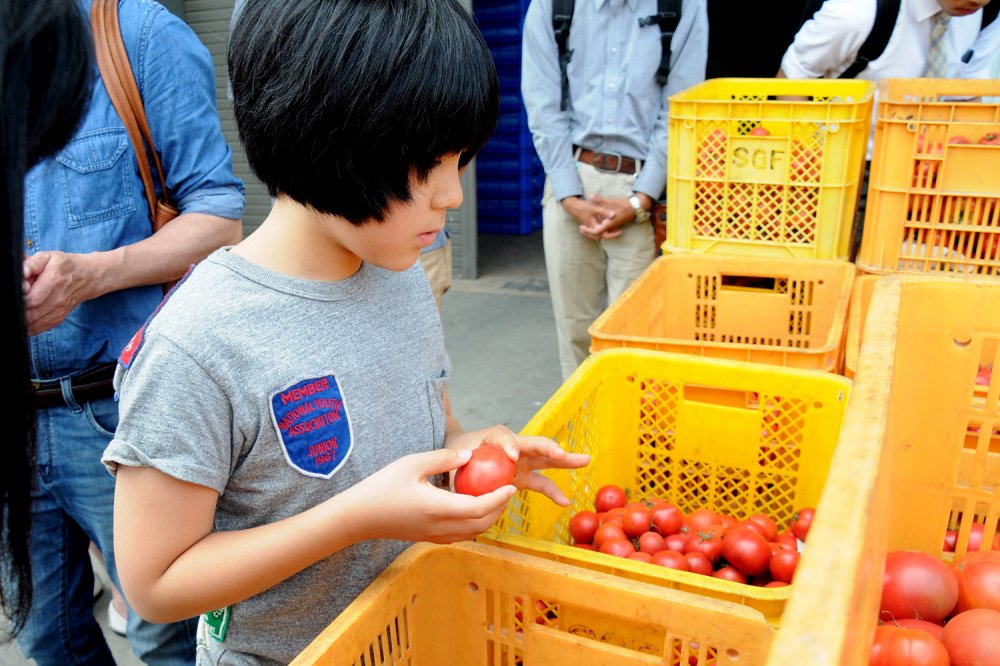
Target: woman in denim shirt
(93, 271)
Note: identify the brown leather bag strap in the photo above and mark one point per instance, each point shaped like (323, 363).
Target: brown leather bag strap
(119, 80)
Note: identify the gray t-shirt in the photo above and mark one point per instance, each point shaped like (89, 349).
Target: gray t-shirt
(279, 393)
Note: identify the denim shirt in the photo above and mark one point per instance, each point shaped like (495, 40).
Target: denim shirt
(89, 197)
(615, 103)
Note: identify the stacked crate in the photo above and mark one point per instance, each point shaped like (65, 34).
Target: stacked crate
(763, 182)
(509, 174)
(918, 455)
(934, 192)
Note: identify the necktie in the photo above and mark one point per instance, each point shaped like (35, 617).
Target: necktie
(937, 58)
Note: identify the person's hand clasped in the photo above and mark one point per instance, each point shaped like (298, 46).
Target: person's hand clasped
(54, 284)
(610, 216)
(587, 214)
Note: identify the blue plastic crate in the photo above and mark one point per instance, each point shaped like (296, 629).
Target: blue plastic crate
(530, 184)
(507, 58)
(525, 171)
(507, 140)
(484, 6)
(521, 226)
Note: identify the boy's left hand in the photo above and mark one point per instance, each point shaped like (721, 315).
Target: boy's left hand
(531, 453)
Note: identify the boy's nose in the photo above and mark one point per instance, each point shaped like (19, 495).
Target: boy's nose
(450, 194)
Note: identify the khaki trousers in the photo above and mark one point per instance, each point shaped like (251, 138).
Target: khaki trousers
(437, 266)
(586, 276)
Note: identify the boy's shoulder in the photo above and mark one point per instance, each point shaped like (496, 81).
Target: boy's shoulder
(194, 306)
(226, 300)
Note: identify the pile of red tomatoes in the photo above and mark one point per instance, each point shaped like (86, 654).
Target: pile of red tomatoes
(936, 614)
(753, 551)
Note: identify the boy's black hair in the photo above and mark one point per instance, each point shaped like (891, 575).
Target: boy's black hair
(339, 103)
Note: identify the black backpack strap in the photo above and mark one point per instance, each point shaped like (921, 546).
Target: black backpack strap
(667, 16)
(886, 12)
(990, 12)
(562, 18)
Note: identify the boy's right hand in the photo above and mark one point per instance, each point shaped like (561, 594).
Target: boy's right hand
(400, 502)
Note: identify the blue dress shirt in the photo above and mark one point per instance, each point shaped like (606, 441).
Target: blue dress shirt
(616, 105)
(89, 197)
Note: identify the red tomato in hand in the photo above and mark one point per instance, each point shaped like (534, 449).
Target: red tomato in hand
(895, 645)
(609, 497)
(917, 585)
(746, 550)
(487, 469)
(583, 526)
(801, 522)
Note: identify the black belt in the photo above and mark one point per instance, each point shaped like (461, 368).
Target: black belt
(92, 384)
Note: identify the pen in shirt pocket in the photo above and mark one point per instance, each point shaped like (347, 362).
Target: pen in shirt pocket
(967, 56)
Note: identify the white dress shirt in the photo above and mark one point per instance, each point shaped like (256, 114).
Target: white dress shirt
(827, 44)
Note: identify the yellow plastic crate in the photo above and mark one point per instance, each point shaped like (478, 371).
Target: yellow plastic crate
(787, 312)
(861, 296)
(792, 193)
(475, 605)
(934, 205)
(734, 437)
(919, 454)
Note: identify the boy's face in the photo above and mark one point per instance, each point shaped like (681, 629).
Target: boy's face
(962, 7)
(395, 243)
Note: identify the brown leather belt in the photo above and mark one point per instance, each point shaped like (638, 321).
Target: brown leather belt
(606, 161)
(92, 384)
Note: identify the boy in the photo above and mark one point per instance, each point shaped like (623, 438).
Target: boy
(285, 413)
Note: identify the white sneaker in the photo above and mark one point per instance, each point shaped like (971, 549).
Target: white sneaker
(116, 621)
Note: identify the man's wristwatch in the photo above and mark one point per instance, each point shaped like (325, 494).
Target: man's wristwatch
(641, 214)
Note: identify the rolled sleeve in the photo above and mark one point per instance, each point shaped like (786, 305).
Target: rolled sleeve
(827, 43)
(219, 201)
(177, 81)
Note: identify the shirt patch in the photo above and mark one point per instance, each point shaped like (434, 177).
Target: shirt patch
(313, 425)
(135, 344)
